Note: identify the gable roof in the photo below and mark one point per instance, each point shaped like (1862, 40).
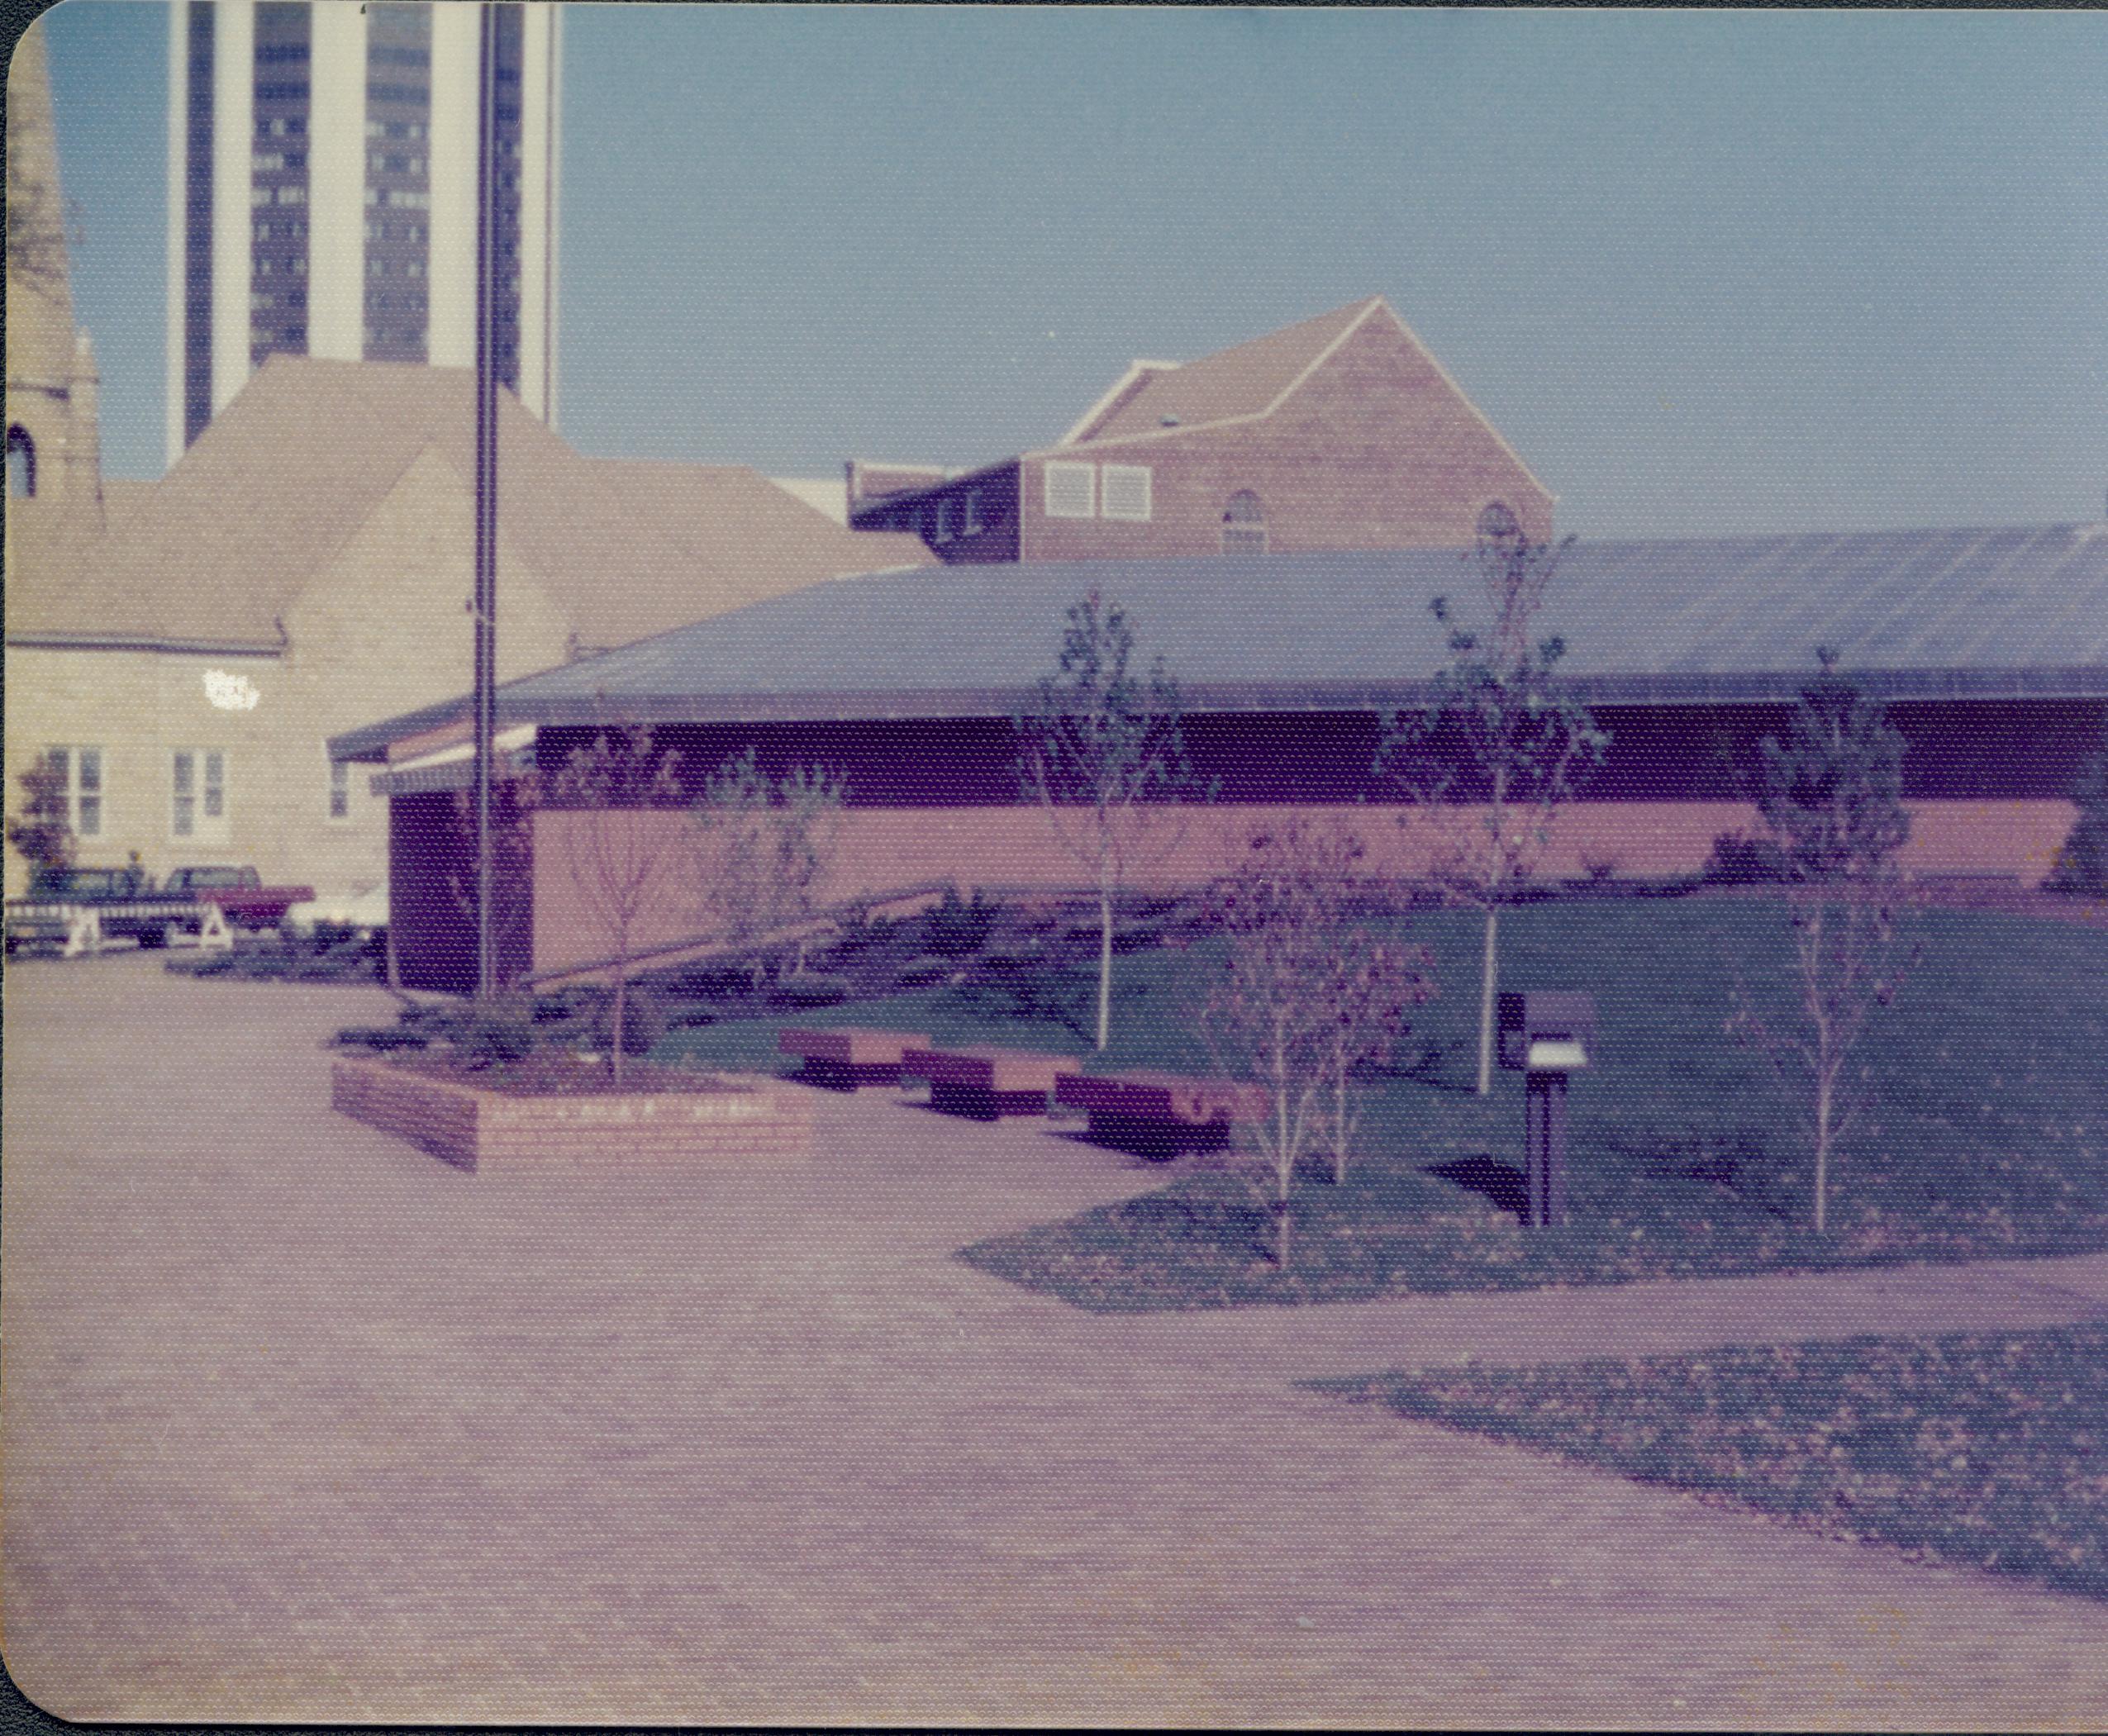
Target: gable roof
(1247, 380)
(219, 549)
(1913, 614)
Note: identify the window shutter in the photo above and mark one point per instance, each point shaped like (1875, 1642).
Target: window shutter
(1127, 492)
(1071, 490)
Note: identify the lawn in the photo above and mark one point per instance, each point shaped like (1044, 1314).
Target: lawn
(1987, 1133)
(1984, 1450)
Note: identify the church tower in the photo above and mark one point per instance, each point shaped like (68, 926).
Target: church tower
(53, 446)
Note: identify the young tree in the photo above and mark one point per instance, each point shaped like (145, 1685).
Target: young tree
(1311, 997)
(768, 843)
(42, 834)
(1490, 760)
(2082, 863)
(625, 856)
(1830, 795)
(1103, 753)
(1374, 984)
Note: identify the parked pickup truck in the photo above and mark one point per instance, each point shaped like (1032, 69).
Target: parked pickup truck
(77, 909)
(240, 892)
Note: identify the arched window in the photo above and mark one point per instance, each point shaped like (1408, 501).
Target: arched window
(1497, 523)
(22, 463)
(1244, 525)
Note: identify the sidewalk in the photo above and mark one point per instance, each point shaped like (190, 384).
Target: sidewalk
(301, 1425)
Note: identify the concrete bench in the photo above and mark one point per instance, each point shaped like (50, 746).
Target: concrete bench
(987, 1083)
(1159, 1114)
(842, 1060)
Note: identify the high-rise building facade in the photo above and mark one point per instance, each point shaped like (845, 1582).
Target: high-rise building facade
(322, 191)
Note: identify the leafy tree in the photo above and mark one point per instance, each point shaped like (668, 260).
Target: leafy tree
(513, 801)
(1830, 794)
(1489, 761)
(1373, 985)
(768, 843)
(2082, 863)
(1311, 997)
(626, 860)
(1104, 753)
(42, 834)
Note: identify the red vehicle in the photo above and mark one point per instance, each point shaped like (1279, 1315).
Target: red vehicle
(240, 892)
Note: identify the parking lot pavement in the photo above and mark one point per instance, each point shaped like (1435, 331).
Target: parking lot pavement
(302, 1424)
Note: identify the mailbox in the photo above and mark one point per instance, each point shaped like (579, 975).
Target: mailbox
(1546, 1031)
(1545, 1035)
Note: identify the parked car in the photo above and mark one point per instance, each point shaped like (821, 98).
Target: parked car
(240, 892)
(125, 904)
(363, 912)
(123, 899)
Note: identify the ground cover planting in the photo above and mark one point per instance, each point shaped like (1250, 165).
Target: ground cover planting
(1984, 1450)
(1985, 1135)
(331, 953)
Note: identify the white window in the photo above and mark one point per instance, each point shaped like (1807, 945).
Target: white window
(339, 790)
(80, 770)
(972, 511)
(259, 196)
(197, 795)
(292, 196)
(1127, 489)
(1071, 491)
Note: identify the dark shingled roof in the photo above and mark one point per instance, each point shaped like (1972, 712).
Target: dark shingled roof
(1927, 614)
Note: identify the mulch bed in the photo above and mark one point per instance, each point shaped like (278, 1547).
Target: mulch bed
(562, 1073)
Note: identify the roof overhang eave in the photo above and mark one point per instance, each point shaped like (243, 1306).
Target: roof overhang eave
(1667, 687)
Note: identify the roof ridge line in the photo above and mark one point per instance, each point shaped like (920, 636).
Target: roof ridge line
(1464, 398)
(1326, 353)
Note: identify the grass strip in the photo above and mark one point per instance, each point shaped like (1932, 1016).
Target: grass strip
(1984, 1450)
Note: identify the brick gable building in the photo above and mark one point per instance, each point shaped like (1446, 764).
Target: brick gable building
(1339, 432)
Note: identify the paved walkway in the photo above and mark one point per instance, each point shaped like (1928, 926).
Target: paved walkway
(301, 1425)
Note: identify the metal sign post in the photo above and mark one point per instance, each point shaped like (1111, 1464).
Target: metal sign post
(1544, 1146)
(1545, 1035)
(484, 606)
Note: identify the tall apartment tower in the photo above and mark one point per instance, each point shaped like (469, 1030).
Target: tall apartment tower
(322, 191)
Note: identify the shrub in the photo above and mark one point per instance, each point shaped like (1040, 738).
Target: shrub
(490, 1038)
(2082, 863)
(1739, 861)
(956, 927)
(380, 1037)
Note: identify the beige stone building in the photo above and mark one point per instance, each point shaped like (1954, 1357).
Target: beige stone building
(184, 648)
(307, 567)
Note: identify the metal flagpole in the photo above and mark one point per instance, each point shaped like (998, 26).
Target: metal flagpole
(486, 597)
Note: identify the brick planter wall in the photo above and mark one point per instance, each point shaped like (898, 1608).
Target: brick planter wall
(469, 1127)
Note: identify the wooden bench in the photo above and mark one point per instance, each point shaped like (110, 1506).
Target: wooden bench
(987, 1083)
(1159, 1114)
(842, 1060)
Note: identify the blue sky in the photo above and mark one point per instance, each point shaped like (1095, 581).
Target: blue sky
(1709, 272)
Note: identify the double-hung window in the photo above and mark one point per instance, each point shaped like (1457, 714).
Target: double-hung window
(79, 772)
(197, 795)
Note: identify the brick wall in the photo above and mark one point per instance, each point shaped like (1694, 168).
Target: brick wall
(468, 1127)
(877, 849)
(1376, 450)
